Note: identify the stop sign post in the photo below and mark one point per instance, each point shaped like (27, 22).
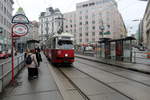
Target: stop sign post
(18, 29)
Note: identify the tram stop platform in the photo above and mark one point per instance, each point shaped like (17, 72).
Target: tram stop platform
(131, 66)
(42, 88)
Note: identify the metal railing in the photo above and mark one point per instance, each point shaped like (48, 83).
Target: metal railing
(141, 57)
(5, 70)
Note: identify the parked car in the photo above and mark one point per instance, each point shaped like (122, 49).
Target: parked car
(3, 54)
(89, 51)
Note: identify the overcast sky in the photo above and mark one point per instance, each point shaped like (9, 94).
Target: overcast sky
(130, 9)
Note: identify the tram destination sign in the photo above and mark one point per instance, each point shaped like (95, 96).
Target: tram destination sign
(19, 30)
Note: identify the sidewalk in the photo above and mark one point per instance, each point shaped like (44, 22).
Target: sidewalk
(131, 66)
(43, 88)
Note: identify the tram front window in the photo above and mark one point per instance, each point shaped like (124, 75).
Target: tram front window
(65, 44)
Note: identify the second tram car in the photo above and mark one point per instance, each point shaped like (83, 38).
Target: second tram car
(60, 48)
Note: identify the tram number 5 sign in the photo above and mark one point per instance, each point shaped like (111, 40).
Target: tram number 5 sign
(19, 30)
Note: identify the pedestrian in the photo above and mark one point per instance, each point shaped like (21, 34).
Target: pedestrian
(38, 57)
(26, 52)
(31, 63)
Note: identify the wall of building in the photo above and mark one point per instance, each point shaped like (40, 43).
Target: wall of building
(5, 20)
(146, 26)
(86, 22)
(49, 22)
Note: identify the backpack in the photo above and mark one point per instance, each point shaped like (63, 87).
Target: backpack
(28, 60)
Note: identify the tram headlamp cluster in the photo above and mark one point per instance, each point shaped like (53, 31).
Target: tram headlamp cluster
(58, 52)
(66, 55)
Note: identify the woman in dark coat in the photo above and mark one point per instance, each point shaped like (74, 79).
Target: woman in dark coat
(38, 57)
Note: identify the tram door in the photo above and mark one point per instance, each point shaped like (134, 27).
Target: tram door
(119, 50)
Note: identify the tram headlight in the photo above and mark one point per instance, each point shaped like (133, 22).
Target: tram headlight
(58, 52)
(66, 55)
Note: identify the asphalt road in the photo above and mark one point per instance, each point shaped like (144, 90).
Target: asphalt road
(130, 84)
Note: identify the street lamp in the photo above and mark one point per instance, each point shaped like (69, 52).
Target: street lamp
(143, 0)
(102, 29)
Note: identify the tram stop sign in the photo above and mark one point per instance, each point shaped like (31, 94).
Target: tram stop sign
(19, 30)
(20, 27)
(20, 19)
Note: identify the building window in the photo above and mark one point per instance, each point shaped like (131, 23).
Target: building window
(100, 33)
(100, 14)
(92, 4)
(70, 21)
(93, 39)
(80, 40)
(86, 34)
(93, 22)
(71, 26)
(87, 40)
(85, 5)
(86, 28)
(80, 12)
(80, 23)
(93, 15)
(80, 29)
(93, 33)
(86, 22)
(93, 27)
(80, 34)
(66, 26)
(80, 18)
(4, 10)
(86, 17)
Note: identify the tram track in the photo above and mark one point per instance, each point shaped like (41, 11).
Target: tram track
(75, 86)
(148, 85)
(99, 81)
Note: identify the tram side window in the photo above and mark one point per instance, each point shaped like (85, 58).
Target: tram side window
(54, 43)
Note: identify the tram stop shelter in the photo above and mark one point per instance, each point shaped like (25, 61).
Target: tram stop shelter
(32, 44)
(116, 49)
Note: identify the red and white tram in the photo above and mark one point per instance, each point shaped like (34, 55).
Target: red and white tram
(60, 48)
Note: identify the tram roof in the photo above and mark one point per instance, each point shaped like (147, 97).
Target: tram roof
(113, 40)
(63, 34)
(33, 41)
(123, 39)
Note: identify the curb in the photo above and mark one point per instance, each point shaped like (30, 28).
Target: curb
(60, 86)
(133, 69)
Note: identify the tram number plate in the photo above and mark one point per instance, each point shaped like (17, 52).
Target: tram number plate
(66, 38)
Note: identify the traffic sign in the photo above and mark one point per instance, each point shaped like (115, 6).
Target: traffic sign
(20, 18)
(19, 30)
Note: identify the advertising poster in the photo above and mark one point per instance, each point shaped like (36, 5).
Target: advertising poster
(112, 50)
(127, 50)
